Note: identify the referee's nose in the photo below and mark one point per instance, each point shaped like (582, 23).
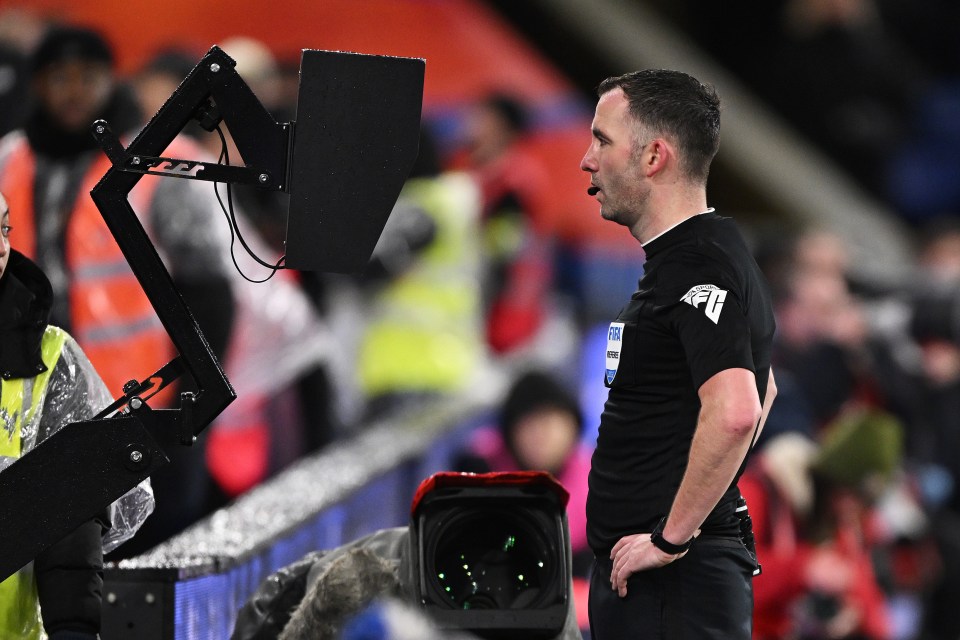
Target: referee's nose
(589, 161)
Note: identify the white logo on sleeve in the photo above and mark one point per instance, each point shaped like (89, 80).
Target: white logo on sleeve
(711, 296)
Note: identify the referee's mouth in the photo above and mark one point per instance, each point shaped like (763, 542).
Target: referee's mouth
(593, 190)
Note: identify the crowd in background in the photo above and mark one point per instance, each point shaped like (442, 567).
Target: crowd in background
(874, 83)
(854, 486)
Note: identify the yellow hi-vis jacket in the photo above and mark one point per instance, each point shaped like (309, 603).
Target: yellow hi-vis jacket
(425, 334)
(21, 404)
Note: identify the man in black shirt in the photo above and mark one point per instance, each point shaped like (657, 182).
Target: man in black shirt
(688, 368)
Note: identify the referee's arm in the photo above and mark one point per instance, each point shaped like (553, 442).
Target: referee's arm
(729, 413)
(729, 417)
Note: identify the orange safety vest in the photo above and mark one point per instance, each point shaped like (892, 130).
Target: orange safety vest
(111, 317)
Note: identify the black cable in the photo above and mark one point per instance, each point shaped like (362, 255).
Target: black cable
(231, 216)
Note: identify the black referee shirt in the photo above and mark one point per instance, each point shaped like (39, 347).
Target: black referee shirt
(702, 306)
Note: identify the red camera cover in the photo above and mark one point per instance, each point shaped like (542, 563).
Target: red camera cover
(501, 478)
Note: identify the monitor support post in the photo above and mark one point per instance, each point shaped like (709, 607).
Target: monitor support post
(78, 471)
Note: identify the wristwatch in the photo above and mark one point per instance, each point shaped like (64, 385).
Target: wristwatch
(656, 537)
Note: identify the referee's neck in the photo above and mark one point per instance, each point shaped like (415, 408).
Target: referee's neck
(666, 208)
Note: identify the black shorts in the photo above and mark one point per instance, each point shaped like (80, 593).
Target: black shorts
(708, 593)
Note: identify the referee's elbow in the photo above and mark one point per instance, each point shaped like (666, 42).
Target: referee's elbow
(740, 417)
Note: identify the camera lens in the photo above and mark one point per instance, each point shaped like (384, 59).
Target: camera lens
(492, 559)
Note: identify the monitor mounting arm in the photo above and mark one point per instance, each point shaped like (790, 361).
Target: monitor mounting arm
(212, 93)
(82, 468)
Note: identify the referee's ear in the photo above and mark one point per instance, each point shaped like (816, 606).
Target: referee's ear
(658, 159)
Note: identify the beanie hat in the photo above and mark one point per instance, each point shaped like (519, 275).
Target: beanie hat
(70, 43)
(532, 392)
(859, 446)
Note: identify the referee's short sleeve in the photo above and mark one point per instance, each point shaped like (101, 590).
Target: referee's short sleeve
(705, 308)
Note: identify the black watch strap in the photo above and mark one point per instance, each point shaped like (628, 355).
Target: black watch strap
(656, 537)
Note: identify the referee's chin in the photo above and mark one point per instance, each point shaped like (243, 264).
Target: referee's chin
(609, 213)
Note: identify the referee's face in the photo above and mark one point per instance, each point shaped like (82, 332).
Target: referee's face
(612, 160)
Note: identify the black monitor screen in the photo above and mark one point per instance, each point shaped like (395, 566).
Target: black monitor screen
(355, 140)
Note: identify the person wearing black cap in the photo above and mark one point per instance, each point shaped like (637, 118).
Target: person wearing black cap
(688, 369)
(47, 170)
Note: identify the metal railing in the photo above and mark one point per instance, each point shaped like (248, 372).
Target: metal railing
(193, 585)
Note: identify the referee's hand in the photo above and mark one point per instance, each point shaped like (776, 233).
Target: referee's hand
(636, 553)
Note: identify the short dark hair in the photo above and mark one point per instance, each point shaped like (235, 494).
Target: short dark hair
(677, 104)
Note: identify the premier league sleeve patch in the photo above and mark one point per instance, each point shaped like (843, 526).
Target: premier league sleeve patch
(706, 297)
(614, 346)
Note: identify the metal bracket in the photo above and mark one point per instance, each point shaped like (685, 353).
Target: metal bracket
(178, 167)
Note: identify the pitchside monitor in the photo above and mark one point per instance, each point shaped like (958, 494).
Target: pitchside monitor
(354, 143)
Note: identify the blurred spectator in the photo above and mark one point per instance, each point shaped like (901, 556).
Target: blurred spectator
(813, 509)
(539, 429)
(778, 488)
(516, 245)
(156, 81)
(277, 361)
(821, 327)
(424, 334)
(935, 325)
(47, 170)
(19, 33)
(846, 82)
(51, 165)
(860, 454)
(921, 381)
(266, 209)
(259, 68)
(939, 250)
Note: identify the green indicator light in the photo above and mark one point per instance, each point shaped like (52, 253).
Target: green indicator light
(509, 544)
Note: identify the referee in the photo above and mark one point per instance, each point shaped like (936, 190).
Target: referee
(688, 368)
